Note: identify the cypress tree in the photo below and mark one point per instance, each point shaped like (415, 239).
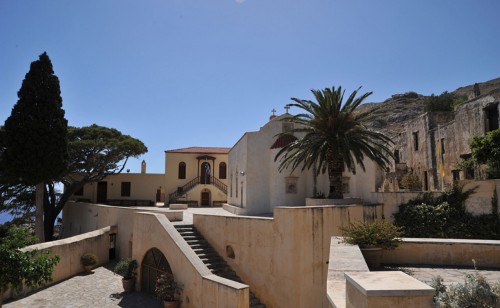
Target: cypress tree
(35, 136)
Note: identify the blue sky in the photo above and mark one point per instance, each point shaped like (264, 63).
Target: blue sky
(180, 73)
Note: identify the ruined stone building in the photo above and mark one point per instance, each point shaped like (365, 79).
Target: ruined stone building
(434, 144)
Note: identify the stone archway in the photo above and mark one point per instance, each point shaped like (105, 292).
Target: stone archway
(153, 265)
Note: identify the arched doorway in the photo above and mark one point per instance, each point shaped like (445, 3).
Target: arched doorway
(205, 197)
(206, 173)
(153, 265)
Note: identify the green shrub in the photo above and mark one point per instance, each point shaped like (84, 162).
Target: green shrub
(474, 292)
(410, 181)
(32, 268)
(378, 233)
(126, 268)
(445, 217)
(167, 288)
(443, 102)
(88, 259)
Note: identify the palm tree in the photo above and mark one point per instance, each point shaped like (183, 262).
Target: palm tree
(335, 137)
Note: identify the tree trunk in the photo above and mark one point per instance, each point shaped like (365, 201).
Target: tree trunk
(49, 222)
(335, 170)
(40, 189)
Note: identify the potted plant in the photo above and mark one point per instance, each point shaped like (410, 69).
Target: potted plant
(127, 268)
(168, 290)
(372, 237)
(88, 260)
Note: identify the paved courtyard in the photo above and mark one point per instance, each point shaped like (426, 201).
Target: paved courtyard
(101, 289)
(104, 289)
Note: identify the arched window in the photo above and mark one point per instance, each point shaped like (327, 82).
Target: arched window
(222, 170)
(182, 170)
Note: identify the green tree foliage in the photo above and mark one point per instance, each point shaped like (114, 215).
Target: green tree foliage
(19, 202)
(35, 134)
(94, 153)
(335, 137)
(32, 267)
(444, 102)
(445, 217)
(486, 150)
(35, 139)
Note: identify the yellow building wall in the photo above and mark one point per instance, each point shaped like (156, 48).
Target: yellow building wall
(142, 187)
(193, 170)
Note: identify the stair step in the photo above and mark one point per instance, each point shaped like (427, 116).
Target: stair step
(216, 265)
(223, 273)
(196, 240)
(214, 262)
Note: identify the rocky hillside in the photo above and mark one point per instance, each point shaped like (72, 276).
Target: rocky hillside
(392, 114)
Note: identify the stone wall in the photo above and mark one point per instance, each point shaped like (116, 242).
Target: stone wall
(201, 287)
(71, 249)
(443, 142)
(79, 218)
(285, 259)
(445, 252)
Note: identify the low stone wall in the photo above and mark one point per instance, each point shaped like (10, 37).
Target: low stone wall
(351, 284)
(79, 218)
(347, 259)
(447, 252)
(234, 209)
(201, 287)
(344, 258)
(71, 249)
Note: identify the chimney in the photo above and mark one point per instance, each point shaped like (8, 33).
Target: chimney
(143, 167)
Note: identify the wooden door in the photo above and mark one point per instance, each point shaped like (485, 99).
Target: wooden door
(102, 192)
(205, 198)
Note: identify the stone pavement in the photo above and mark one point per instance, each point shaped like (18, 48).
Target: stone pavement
(101, 289)
(450, 275)
(188, 213)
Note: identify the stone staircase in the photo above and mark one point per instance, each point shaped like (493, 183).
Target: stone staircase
(212, 259)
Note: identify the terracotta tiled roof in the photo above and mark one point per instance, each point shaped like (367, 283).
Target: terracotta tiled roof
(283, 140)
(201, 150)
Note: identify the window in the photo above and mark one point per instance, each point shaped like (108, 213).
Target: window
(456, 175)
(79, 192)
(291, 185)
(231, 186)
(396, 156)
(126, 189)
(182, 170)
(236, 182)
(415, 141)
(345, 185)
(222, 170)
(491, 113)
